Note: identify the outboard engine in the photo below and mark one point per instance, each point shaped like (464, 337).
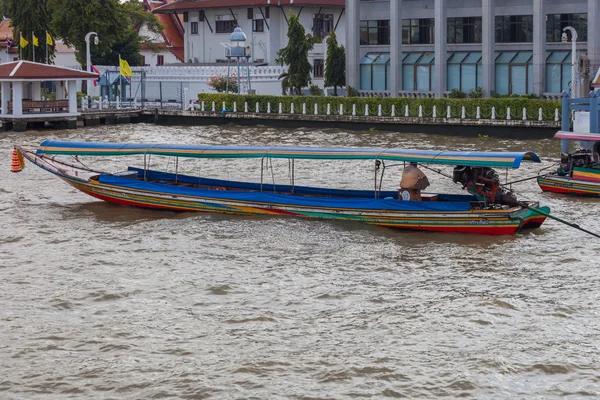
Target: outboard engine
(580, 158)
(484, 183)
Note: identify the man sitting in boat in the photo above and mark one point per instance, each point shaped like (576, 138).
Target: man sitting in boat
(484, 184)
(412, 182)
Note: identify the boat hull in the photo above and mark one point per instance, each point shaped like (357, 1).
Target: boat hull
(422, 216)
(486, 222)
(569, 186)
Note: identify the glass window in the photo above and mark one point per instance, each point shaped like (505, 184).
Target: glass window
(258, 25)
(556, 22)
(514, 72)
(375, 71)
(417, 72)
(558, 71)
(418, 31)
(464, 30)
(194, 28)
(375, 32)
(464, 70)
(318, 68)
(514, 29)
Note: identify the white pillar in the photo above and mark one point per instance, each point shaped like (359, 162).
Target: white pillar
(352, 42)
(488, 64)
(395, 47)
(539, 46)
(441, 23)
(593, 39)
(17, 98)
(5, 97)
(72, 87)
(60, 90)
(36, 90)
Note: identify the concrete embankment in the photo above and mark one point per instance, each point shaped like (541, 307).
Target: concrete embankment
(509, 128)
(513, 128)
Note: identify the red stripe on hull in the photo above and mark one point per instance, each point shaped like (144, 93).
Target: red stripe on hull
(491, 230)
(482, 230)
(555, 189)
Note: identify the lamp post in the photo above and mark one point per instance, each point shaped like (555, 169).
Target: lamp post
(88, 57)
(238, 41)
(574, 64)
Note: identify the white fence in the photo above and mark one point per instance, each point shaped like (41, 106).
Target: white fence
(379, 111)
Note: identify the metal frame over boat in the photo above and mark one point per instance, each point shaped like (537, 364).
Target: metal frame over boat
(579, 173)
(143, 187)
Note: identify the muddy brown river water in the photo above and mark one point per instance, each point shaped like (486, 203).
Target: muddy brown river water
(103, 301)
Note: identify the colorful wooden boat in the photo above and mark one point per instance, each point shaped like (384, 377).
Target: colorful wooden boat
(488, 210)
(579, 172)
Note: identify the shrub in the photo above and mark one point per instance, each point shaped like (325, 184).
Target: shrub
(219, 83)
(476, 93)
(316, 91)
(501, 104)
(351, 92)
(457, 94)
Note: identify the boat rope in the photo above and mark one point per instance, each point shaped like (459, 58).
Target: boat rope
(572, 225)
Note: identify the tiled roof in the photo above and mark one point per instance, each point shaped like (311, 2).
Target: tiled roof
(173, 33)
(182, 5)
(19, 70)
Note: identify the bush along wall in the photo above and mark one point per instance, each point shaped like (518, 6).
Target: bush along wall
(487, 108)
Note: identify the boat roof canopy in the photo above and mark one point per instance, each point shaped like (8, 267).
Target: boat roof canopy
(468, 158)
(577, 136)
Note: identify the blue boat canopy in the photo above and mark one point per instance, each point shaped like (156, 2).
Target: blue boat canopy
(469, 158)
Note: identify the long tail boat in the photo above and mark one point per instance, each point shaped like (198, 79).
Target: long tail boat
(579, 171)
(487, 208)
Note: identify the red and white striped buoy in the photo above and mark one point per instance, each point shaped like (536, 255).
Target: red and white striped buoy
(17, 163)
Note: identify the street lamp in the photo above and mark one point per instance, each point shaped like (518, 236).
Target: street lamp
(88, 57)
(238, 50)
(574, 64)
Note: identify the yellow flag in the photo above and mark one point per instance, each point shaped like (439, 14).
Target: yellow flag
(125, 68)
(24, 42)
(49, 39)
(36, 42)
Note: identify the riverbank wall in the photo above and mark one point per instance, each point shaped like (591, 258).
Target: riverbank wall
(509, 128)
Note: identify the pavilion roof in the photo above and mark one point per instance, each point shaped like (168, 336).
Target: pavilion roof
(31, 71)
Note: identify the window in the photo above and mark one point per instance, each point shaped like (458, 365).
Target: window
(375, 72)
(194, 28)
(318, 68)
(464, 30)
(225, 23)
(464, 70)
(267, 12)
(514, 72)
(144, 60)
(417, 72)
(375, 32)
(258, 25)
(558, 71)
(514, 29)
(160, 60)
(418, 31)
(322, 25)
(556, 22)
(250, 13)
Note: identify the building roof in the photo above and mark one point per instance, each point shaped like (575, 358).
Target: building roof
(30, 71)
(185, 5)
(173, 32)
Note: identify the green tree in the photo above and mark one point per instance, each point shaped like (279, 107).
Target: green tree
(295, 55)
(128, 47)
(31, 17)
(335, 64)
(73, 19)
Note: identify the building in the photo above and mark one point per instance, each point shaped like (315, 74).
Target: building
(167, 47)
(207, 25)
(502, 46)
